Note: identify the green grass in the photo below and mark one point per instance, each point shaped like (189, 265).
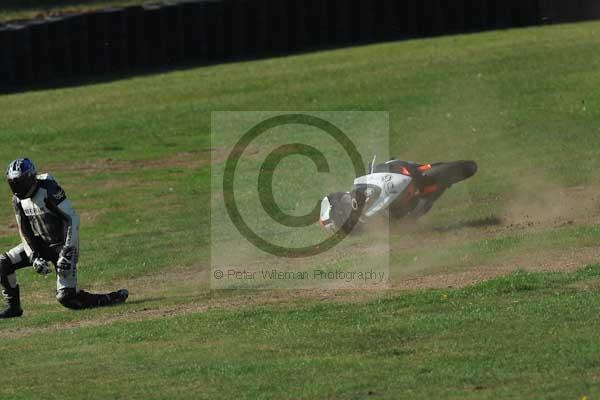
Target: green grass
(521, 336)
(133, 156)
(27, 9)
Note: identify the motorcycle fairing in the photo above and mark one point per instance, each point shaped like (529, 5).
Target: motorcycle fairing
(380, 190)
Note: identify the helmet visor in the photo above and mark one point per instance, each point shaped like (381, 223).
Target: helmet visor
(23, 186)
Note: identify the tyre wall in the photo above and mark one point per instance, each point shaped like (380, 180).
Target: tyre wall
(129, 39)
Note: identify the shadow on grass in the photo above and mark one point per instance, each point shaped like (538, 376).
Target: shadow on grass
(477, 223)
(146, 300)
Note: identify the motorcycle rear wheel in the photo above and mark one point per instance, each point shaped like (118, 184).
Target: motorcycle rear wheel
(447, 174)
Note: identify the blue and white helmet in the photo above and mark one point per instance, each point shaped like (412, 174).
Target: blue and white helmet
(21, 177)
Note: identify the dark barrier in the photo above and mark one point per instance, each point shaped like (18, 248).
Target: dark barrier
(454, 16)
(546, 8)
(591, 9)
(255, 27)
(387, 24)
(431, 18)
(117, 39)
(313, 15)
(136, 38)
(23, 73)
(77, 30)
(475, 15)
(297, 28)
(60, 53)
(335, 26)
(212, 21)
(568, 11)
(7, 57)
(98, 42)
(154, 28)
(195, 32)
(498, 13)
(233, 27)
(277, 33)
(175, 34)
(366, 26)
(523, 12)
(407, 19)
(176, 31)
(40, 51)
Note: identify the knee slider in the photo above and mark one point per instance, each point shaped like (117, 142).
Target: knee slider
(68, 298)
(6, 266)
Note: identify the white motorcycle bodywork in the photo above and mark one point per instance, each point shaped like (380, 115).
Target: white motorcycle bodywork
(387, 186)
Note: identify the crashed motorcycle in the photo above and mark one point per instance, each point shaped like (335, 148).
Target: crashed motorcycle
(398, 189)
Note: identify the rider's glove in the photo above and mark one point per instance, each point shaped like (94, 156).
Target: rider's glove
(66, 261)
(41, 266)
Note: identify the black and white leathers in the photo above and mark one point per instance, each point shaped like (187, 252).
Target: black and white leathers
(46, 219)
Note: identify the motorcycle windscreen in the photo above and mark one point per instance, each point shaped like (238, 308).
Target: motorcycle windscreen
(325, 218)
